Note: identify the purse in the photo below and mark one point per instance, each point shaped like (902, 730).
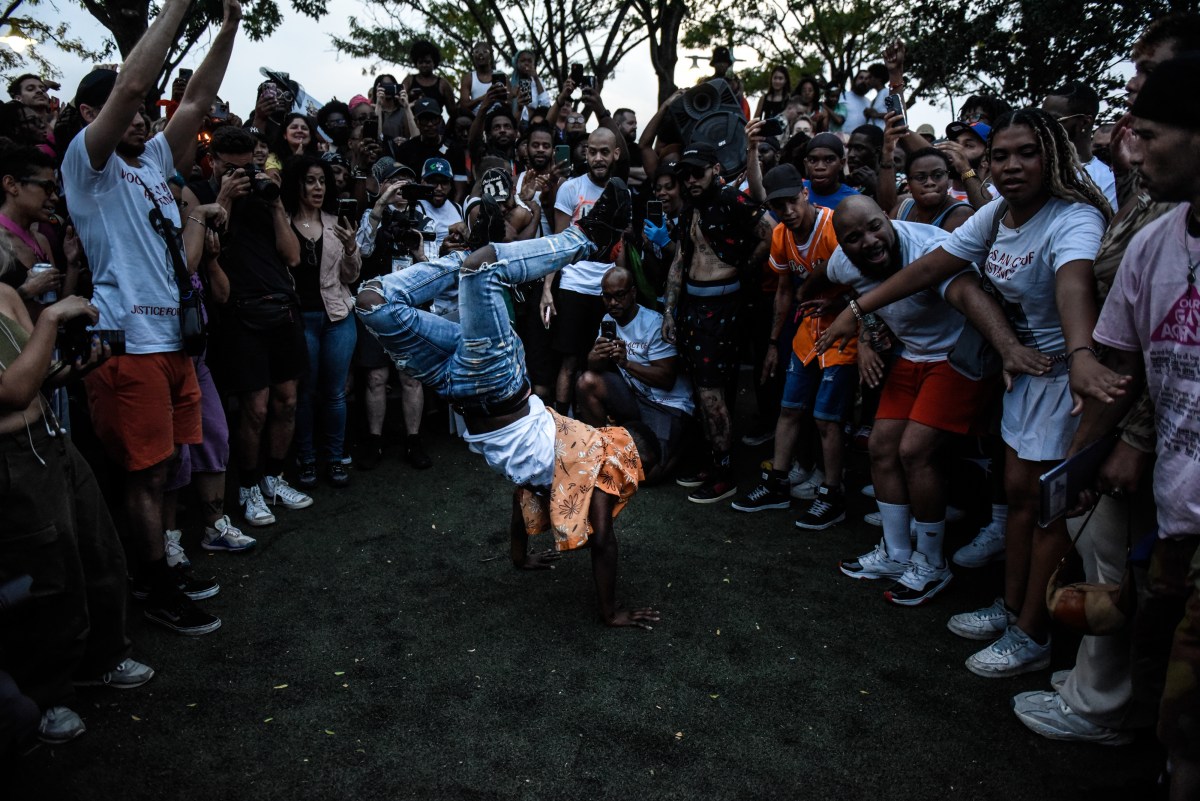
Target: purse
(972, 355)
(265, 312)
(193, 328)
(1098, 610)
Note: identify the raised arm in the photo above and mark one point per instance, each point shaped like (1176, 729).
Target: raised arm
(203, 87)
(135, 81)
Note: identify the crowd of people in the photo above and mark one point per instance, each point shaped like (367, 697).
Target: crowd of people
(243, 296)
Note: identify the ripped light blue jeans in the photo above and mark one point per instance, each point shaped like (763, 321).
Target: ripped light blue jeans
(478, 361)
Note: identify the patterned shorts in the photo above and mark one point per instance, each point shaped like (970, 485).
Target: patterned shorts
(708, 339)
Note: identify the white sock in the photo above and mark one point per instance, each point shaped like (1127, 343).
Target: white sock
(896, 518)
(999, 516)
(929, 541)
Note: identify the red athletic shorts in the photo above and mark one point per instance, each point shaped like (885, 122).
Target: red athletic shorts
(936, 395)
(143, 405)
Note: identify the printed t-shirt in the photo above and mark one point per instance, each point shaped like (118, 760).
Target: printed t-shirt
(132, 271)
(925, 324)
(575, 198)
(1022, 262)
(1153, 309)
(798, 260)
(644, 343)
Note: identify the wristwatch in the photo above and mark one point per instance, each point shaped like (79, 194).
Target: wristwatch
(968, 175)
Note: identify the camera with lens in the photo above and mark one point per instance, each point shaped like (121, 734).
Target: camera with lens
(74, 340)
(407, 230)
(260, 185)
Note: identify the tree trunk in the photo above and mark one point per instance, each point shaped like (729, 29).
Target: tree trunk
(664, 40)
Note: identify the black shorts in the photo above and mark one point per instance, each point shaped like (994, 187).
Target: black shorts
(540, 360)
(577, 325)
(257, 359)
(708, 339)
(664, 421)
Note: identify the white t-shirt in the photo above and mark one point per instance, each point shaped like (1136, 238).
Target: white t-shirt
(1153, 309)
(575, 197)
(925, 324)
(522, 451)
(132, 271)
(855, 105)
(644, 343)
(1022, 262)
(1102, 174)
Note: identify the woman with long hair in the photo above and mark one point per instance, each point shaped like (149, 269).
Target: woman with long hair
(30, 193)
(297, 137)
(774, 100)
(329, 264)
(1036, 244)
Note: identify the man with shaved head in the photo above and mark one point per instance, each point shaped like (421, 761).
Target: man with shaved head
(924, 399)
(572, 309)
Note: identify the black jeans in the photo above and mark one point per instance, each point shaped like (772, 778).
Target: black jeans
(55, 527)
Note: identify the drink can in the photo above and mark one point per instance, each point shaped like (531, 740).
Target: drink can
(49, 296)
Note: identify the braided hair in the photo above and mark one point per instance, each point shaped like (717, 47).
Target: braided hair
(1062, 174)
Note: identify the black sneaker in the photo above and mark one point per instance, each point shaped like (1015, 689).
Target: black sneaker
(610, 215)
(414, 454)
(828, 509)
(772, 493)
(194, 588)
(714, 490)
(695, 478)
(306, 477)
(180, 615)
(338, 475)
(489, 224)
(370, 453)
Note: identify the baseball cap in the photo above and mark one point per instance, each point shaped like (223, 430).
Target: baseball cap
(387, 167)
(783, 181)
(699, 154)
(721, 54)
(437, 167)
(427, 105)
(829, 142)
(497, 184)
(980, 129)
(1154, 101)
(95, 88)
(925, 129)
(335, 158)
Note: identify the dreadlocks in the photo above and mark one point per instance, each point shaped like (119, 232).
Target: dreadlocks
(1062, 174)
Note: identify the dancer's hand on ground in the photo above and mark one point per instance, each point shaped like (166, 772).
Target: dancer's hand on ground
(542, 560)
(629, 618)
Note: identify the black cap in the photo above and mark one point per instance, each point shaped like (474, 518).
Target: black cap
(427, 105)
(829, 142)
(979, 129)
(699, 154)
(95, 88)
(721, 54)
(783, 181)
(1155, 102)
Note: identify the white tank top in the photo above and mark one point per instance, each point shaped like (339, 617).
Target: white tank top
(478, 88)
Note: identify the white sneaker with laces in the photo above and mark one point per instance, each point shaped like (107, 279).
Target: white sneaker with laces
(225, 536)
(987, 546)
(125, 676)
(1049, 715)
(174, 549)
(276, 490)
(875, 564)
(254, 507)
(806, 490)
(1011, 655)
(983, 624)
(60, 725)
(920, 582)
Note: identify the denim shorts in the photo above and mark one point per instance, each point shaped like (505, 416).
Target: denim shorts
(827, 392)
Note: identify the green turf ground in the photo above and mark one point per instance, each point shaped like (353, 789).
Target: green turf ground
(379, 645)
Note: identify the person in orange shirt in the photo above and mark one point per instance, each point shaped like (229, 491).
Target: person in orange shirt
(822, 385)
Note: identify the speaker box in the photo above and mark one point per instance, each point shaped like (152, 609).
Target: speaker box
(710, 112)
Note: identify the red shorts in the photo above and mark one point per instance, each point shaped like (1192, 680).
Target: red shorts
(143, 405)
(934, 394)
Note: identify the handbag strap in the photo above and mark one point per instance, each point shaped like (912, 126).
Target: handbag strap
(1088, 519)
(170, 234)
(24, 236)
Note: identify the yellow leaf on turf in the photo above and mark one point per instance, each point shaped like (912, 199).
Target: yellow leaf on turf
(280, 687)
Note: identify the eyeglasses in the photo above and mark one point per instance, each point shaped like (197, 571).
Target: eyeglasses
(574, 120)
(48, 186)
(1061, 119)
(922, 177)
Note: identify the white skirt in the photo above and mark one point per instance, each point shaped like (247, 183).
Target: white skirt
(1037, 421)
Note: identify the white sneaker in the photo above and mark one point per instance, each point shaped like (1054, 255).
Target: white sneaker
(1011, 655)
(983, 624)
(987, 546)
(175, 555)
(225, 536)
(59, 725)
(254, 508)
(875, 564)
(276, 490)
(806, 490)
(1058, 678)
(798, 475)
(1047, 714)
(920, 582)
